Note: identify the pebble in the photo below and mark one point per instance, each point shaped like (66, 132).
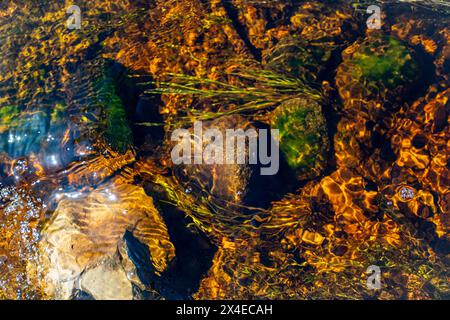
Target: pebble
(406, 193)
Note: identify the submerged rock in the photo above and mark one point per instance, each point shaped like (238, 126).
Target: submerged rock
(373, 73)
(85, 239)
(57, 96)
(303, 132)
(374, 78)
(384, 61)
(303, 136)
(297, 58)
(107, 281)
(65, 130)
(42, 132)
(224, 184)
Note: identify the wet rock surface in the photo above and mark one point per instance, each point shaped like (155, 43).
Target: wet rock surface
(303, 136)
(226, 183)
(86, 233)
(378, 69)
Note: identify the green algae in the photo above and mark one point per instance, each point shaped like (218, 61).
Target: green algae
(117, 132)
(303, 136)
(385, 61)
(58, 112)
(8, 114)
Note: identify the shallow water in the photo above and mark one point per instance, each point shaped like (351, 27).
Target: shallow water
(88, 189)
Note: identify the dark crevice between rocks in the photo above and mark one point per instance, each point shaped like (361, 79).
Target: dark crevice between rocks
(426, 77)
(332, 119)
(233, 14)
(140, 255)
(333, 102)
(144, 4)
(193, 259)
(329, 109)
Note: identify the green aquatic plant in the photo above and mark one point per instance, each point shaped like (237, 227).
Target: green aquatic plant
(303, 135)
(118, 133)
(7, 116)
(284, 81)
(385, 61)
(288, 70)
(58, 112)
(262, 89)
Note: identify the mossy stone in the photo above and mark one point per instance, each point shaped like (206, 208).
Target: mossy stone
(303, 136)
(386, 61)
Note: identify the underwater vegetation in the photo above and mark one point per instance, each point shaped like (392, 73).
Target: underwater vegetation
(303, 135)
(92, 206)
(385, 61)
(118, 132)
